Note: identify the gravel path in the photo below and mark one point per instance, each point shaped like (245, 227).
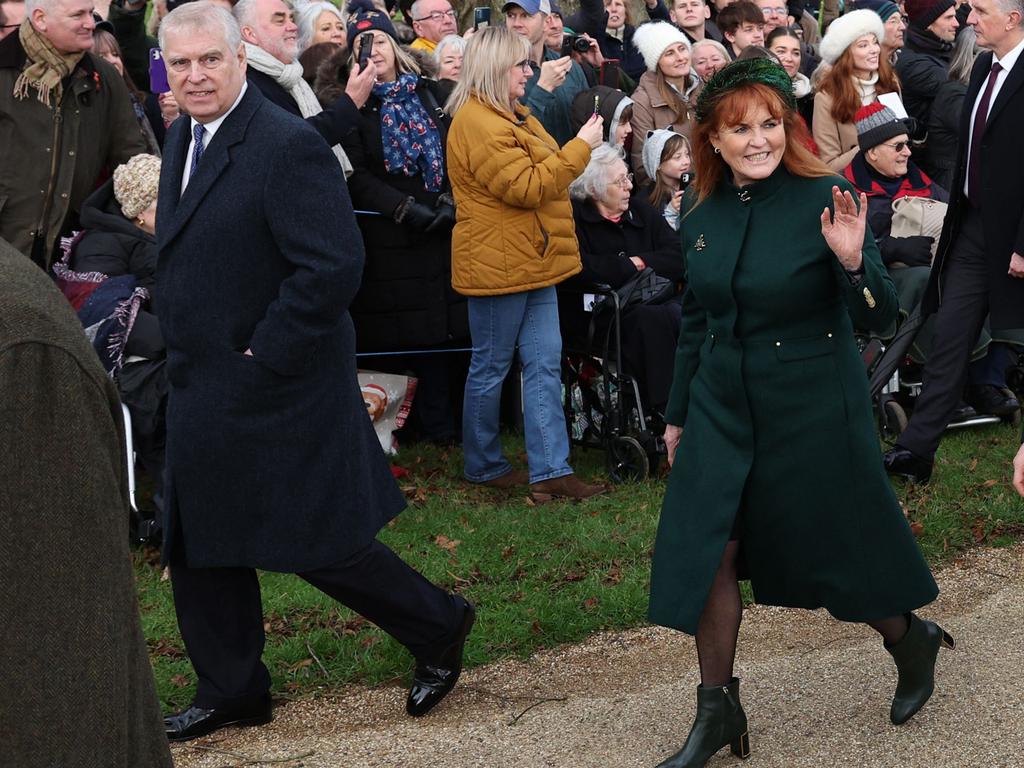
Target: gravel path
(816, 692)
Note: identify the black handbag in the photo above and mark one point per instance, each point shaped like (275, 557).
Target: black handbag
(645, 287)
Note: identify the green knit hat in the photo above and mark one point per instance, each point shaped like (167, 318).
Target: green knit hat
(739, 73)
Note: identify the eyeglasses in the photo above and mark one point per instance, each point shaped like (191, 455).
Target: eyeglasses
(899, 146)
(778, 10)
(526, 65)
(623, 182)
(438, 16)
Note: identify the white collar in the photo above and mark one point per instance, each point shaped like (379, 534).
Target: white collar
(1011, 57)
(212, 126)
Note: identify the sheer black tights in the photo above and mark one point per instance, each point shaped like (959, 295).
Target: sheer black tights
(719, 625)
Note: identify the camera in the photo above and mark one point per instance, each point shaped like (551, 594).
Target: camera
(575, 43)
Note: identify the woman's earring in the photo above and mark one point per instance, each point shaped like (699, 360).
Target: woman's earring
(142, 221)
(718, 151)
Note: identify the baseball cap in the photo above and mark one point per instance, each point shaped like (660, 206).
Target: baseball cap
(530, 6)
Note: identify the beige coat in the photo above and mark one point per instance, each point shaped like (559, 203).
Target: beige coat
(514, 230)
(837, 142)
(651, 112)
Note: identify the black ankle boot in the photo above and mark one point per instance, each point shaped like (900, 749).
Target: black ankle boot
(915, 661)
(720, 721)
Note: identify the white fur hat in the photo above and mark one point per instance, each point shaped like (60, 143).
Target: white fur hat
(652, 38)
(847, 28)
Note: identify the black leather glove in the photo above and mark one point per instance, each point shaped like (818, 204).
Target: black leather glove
(415, 215)
(915, 251)
(444, 217)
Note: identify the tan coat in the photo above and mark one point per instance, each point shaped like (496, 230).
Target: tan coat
(837, 142)
(510, 180)
(651, 112)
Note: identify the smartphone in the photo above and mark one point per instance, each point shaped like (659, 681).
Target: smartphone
(685, 180)
(365, 49)
(567, 45)
(157, 72)
(481, 17)
(609, 73)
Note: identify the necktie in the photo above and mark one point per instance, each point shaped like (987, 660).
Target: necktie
(980, 117)
(197, 150)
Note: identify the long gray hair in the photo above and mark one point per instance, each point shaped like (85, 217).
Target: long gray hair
(965, 51)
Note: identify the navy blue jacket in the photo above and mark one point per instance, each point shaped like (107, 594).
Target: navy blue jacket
(271, 459)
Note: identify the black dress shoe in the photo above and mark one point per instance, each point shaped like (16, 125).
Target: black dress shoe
(904, 463)
(993, 400)
(432, 681)
(193, 722)
(962, 412)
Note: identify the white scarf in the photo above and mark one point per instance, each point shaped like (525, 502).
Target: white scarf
(289, 77)
(867, 89)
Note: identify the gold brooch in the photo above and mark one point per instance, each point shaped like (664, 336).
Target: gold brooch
(699, 245)
(869, 299)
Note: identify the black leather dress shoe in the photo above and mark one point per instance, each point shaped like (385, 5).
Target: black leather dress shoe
(193, 722)
(904, 463)
(962, 412)
(431, 682)
(993, 400)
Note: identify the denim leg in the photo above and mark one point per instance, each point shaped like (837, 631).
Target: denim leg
(540, 350)
(494, 323)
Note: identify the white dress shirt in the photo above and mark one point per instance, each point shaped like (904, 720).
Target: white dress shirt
(211, 128)
(1007, 63)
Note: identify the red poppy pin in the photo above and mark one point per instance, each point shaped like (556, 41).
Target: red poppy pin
(96, 79)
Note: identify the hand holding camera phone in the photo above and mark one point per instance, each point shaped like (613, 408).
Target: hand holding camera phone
(365, 49)
(157, 72)
(481, 17)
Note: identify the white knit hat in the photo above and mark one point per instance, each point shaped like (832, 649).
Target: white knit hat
(847, 28)
(652, 38)
(653, 147)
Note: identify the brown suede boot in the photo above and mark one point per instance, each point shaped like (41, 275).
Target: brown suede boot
(508, 480)
(565, 487)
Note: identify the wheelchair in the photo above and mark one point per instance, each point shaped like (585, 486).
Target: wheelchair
(602, 401)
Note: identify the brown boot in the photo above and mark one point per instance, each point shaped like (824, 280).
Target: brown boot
(508, 480)
(566, 487)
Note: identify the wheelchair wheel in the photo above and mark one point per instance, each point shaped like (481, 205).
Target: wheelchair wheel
(892, 419)
(627, 459)
(1015, 417)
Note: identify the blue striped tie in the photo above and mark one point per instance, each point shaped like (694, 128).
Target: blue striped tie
(197, 150)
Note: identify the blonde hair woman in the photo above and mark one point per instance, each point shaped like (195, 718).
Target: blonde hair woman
(513, 242)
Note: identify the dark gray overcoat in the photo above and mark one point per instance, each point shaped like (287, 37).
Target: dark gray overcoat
(271, 459)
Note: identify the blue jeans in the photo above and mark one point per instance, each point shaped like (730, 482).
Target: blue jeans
(497, 324)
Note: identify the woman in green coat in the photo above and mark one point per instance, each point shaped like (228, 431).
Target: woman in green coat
(776, 471)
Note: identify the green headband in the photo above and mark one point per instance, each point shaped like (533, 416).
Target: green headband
(739, 73)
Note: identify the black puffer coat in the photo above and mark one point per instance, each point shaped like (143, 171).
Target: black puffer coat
(405, 300)
(114, 246)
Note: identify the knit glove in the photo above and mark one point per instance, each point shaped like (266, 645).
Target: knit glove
(415, 215)
(914, 251)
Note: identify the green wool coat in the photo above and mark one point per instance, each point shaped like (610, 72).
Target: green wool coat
(778, 433)
(76, 687)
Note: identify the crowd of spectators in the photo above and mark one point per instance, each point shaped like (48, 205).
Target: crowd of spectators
(386, 112)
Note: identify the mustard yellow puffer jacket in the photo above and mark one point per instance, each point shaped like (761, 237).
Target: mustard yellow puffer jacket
(514, 230)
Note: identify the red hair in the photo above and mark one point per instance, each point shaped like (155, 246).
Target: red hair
(731, 109)
(839, 83)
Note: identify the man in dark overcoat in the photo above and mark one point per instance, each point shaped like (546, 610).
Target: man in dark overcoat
(271, 460)
(76, 688)
(979, 266)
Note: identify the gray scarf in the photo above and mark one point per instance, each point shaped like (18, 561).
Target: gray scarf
(289, 77)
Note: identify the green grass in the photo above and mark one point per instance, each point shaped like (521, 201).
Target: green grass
(540, 576)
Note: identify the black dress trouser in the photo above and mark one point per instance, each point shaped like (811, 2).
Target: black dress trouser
(220, 615)
(958, 321)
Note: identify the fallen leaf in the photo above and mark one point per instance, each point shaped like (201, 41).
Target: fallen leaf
(590, 603)
(989, 483)
(916, 528)
(179, 681)
(973, 465)
(447, 544)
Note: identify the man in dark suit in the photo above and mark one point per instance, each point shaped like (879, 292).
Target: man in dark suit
(979, 267)
(271, 459)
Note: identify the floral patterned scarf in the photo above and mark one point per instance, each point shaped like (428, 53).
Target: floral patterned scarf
(411, 140)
